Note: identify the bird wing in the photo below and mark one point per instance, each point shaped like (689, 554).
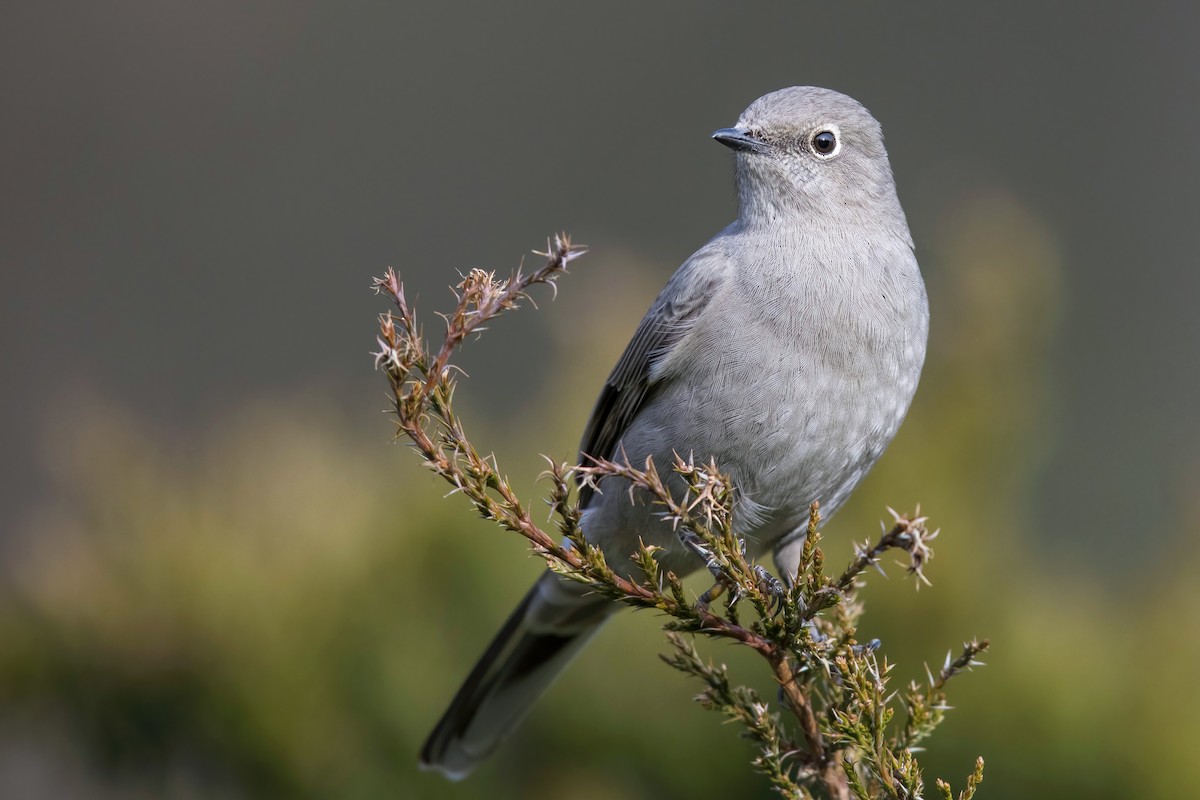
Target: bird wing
(669, 319)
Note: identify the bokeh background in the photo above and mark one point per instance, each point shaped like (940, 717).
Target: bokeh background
(218, 578)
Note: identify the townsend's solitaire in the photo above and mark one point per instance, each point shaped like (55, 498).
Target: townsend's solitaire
(787, 348)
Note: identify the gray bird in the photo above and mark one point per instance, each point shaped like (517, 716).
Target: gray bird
(788, 348)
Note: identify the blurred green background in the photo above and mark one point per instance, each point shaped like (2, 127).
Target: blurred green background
(219, 579)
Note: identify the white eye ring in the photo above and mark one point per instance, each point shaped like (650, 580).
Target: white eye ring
(826, 141)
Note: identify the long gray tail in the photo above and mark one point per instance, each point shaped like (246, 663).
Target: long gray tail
(550, 626)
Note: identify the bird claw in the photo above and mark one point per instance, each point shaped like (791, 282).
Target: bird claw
(693, 543)
(768, 584)
(772, 587)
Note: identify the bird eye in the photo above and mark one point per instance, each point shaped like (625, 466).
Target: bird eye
(824, 143)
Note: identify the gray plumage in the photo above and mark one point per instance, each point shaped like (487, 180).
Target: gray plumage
(787, 348)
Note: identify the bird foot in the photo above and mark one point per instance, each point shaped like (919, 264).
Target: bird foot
(768, 584)
(772, 587)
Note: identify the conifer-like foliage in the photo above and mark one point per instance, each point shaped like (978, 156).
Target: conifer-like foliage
(837, 729)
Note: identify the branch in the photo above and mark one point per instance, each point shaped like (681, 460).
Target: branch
(833, 688)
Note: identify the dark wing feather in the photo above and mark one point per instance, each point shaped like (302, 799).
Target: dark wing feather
(667, 321)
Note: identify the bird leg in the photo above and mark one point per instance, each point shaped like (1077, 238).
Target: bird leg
(768, 584)
(693, 543)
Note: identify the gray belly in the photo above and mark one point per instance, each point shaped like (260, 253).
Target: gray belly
(789, 430)
(794, 405)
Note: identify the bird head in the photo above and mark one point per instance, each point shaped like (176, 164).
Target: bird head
(809, 150)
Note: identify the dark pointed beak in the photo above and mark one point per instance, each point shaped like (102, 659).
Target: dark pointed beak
(741, 141)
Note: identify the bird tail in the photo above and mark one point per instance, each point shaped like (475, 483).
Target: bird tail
(550, 626)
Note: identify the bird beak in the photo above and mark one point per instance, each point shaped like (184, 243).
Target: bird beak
(739, 140)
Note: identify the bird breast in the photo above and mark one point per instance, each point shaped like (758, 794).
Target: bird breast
(799, 381)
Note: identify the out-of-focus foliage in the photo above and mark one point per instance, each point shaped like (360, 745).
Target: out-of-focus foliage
(283, 608)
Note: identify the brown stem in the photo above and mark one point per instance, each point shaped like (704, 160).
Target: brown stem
(867, 557)
(797, 700)
(558, 254)
(520, 521)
